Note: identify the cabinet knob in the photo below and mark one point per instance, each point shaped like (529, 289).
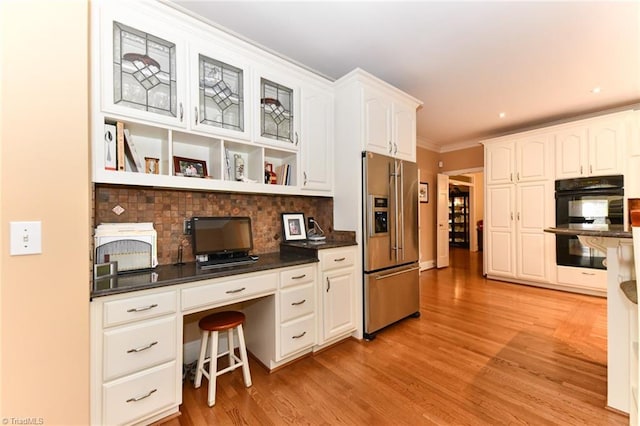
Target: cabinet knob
(195, 119)
(181, 112)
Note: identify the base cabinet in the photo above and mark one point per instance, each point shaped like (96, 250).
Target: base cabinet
(337, 294)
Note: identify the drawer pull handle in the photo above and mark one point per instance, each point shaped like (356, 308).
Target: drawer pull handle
(143, 348)
(298, 303)
(235, 291)
(340, 259)
(587, 273)
(299, 335)
(144, 308)
(142, 397)
(297, 277)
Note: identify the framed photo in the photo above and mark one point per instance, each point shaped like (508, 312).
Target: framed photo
(423, 192)
(151, 165)
(293, 226)
(189, 167)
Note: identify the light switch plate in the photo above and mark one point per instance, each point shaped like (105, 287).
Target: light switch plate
(26, 238)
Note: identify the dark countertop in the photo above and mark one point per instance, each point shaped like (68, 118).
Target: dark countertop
(591, 230)
(630, 290)
(166, 275)
(306, 248)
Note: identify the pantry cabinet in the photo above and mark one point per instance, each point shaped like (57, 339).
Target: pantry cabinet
(519, 206)
(591, 147)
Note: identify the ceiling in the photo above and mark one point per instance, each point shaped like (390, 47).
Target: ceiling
(467, 61)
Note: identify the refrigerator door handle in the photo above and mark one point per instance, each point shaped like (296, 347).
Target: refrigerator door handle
(401, 215)
(393, 192)
(393, 274)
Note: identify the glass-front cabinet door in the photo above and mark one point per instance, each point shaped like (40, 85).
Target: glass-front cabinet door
(277, 122)
(218, 94)
(142, 69)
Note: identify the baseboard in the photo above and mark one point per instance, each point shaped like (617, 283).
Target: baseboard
(427, 264)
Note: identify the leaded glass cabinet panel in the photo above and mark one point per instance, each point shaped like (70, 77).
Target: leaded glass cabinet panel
(144, 71)
(221, 94)
(276, 111)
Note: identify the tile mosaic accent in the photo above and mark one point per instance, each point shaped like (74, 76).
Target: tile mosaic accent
(168, 209)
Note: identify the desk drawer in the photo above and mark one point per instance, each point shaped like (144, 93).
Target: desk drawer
(140, 395)
(228, 291)
(297, 276)
(138, 308)
(296, 302)
(139, 346)
(338, 258)
(297, 335)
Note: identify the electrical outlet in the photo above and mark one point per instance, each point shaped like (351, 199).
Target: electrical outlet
(309, 223)
(26, 238)
(186, 227)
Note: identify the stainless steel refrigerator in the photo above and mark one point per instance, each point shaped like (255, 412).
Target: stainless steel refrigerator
(390, 235)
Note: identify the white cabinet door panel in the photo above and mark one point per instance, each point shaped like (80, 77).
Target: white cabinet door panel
(499, 163)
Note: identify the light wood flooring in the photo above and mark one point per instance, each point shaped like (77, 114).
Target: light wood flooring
(482, 353)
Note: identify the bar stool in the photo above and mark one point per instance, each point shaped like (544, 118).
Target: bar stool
(210, 326)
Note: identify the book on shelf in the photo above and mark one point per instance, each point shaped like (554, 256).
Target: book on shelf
(227, 172)
(120, 156)
(283, 173)
(136, 161)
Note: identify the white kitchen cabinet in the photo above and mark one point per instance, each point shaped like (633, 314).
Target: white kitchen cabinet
(632, 172)
(389, 124)
(220, 90)
(519, 206)
(384, 116)
(316, 142)
(136, 367)
(223, 105)
(524, 159)
(337, 294)
(593, 147)
(276, 108)
(142, 65)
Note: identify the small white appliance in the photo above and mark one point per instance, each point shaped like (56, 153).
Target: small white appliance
(133, 245)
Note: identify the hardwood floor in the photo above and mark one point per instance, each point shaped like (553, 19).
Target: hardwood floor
(483, 352)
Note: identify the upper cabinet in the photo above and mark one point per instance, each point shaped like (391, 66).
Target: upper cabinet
(388, 115)
(519, 159)
(593, 147)
(220, 82)
(178, 103)
(142, 67)
(316, 139)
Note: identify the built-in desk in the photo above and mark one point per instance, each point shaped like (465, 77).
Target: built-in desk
(618, 245)
(137, 323)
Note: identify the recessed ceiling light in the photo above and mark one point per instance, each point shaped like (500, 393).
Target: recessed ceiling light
(596, 90)
(502, 114)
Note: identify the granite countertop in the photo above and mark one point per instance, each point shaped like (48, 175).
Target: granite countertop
(591, 230)
(630, 290)
(166, 275)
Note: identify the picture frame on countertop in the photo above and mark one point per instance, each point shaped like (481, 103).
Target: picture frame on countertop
(423, 192)
(293, 227)
(189, 167)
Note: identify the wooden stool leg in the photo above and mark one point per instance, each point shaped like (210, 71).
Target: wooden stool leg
(243, 356)
(232, 360)
(203, 349)
(213, 368)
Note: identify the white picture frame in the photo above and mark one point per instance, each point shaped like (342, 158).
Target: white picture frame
(293, 227)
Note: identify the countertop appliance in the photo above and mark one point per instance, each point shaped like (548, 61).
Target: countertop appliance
(391, 270)
(586, 201)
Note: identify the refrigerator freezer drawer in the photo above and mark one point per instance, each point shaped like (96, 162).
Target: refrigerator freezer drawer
(390, 295)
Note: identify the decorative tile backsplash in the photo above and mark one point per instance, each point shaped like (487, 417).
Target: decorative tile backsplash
(168, 209)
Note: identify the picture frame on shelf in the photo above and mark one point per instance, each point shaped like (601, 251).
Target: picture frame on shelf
(189, 167)
(151, 165)
(293, 226)
(110, 155)
(423, 192)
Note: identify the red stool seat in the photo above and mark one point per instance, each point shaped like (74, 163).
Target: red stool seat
(221, 321)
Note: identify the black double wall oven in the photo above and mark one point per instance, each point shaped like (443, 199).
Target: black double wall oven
(593, 200)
